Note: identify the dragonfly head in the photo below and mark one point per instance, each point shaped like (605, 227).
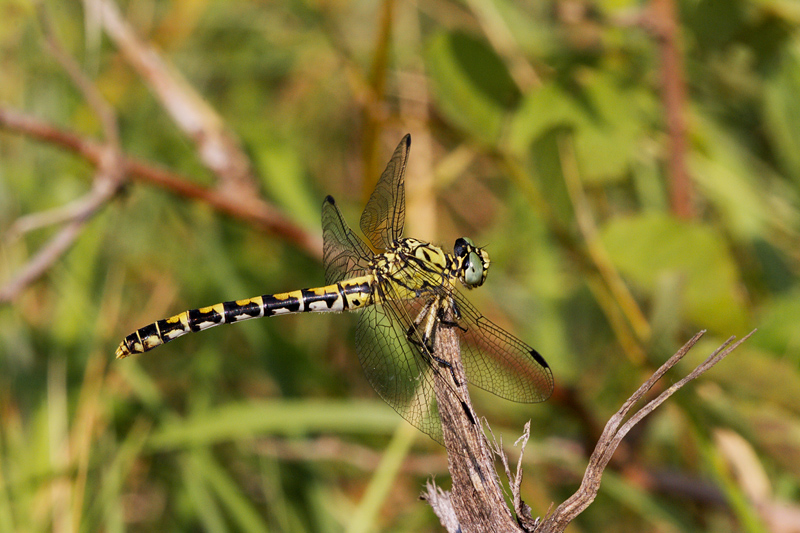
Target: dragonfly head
(474, 262)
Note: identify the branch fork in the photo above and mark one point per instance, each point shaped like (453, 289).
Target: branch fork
(471, 458)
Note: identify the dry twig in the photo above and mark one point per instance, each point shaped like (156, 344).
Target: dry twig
(476, 498)
(218, 147)
(107, 181)
(262, 214)
(467, 452)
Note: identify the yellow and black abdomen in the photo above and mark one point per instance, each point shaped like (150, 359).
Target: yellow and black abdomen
(343, 296)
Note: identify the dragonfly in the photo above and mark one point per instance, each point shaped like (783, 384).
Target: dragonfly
(404, 290)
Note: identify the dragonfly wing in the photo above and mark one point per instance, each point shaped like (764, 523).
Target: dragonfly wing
(344, 254)
(493, 359)
(498, 362)
(384, 215)
(395, 368)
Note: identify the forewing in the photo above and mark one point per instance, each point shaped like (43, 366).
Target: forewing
(344, 254)
(384, 215)
(497, 361)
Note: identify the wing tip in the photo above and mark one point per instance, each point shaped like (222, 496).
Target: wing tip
(545, 394)
(538, 358)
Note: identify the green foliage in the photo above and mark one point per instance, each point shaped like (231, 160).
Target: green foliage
(648, 247)
(606, 117)
(470, 83)
(539, 130)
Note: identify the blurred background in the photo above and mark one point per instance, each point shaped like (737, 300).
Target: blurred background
(632, 168)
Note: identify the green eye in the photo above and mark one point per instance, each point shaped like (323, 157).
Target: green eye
(473, 270)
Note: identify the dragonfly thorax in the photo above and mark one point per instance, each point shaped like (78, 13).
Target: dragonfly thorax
(429, 257)
(468, 264)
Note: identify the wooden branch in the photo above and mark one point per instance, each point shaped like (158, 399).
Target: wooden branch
(217, 147)
(661, 20)
(476, 502)
(102, 191)
(476, 497)
(664, 25)
(101, 108)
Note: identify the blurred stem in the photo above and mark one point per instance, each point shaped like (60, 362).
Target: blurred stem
(59, 449)
(630, 342)
(664, 24)
(6, 510)
(234, 500)
(216, 145)
(377, 82)
(383, 480)
(505, 44)
(257, 211)
(414, 108)
(116, 471)
(598, 254)
(630, 345)
(87, 422)
(747, 517)
(208, 512)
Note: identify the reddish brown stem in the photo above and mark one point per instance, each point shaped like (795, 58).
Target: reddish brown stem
(254, 210)
(664, 23)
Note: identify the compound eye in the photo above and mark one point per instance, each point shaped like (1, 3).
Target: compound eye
(473, 270)
(462, 245)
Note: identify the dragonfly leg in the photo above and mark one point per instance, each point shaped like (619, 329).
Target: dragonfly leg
(422, 337)
(452, 324)
(444, 320)
(447, 365)
(425, 343)
(422, 332)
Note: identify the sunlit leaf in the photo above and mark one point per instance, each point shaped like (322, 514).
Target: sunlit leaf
(285, 183)
(782, 111)
(235, 421)
(648, 246)
(778, 323)
(605, 117)
(470, 83)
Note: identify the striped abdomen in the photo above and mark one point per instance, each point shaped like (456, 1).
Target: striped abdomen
(346, 295)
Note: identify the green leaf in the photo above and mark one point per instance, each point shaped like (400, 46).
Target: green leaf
(782, 112)
(245, 420)
(716, 22)
(721, 173)
(284, 180)
(200, 492)
(231, 496)
(471, 84)
(647, 247)
(604, 116)
(778, 331)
